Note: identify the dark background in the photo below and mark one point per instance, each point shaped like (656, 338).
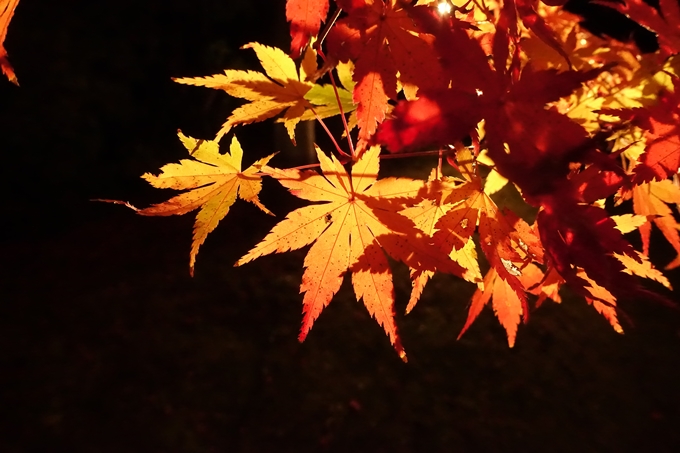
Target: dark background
(107, 344)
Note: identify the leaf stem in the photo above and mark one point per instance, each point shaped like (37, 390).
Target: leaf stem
(322, 36)
(342, 115)
(337, 99)
(439, 164)
(417, 154)
(337, 147)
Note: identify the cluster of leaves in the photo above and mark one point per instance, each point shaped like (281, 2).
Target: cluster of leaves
(503, 92)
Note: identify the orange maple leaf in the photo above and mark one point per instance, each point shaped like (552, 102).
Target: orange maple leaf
(7, 8)
(507, 305)
(425, 215)
(650, 200)
(357, 219)
(603, 301)
(214, 182)
(661, 158)
(544, 285)
(508, 243)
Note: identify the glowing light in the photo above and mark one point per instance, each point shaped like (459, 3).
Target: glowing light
(583, 41)
(479, 92)
(444, 8)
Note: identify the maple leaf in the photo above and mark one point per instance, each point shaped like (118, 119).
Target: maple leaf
(305, 17)
(213, 181)
(626, 223)
(507, 305)
(524, 137)
(661, 158)
(584, 238)
(325, 97)
(649, 200)
(382, 39)
(425, 216)
(349, 233)
(544, 285)
(7, 8)
(603, 301)
(509, 243)
(642, 267)
(535, 22)
(280, 89)
(547, 286)
(665, 22)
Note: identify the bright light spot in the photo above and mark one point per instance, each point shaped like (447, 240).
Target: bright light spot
(444, 8)
(591, 61)
(479, 92)
(583, 41)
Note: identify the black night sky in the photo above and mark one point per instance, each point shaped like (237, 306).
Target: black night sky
(107, 344)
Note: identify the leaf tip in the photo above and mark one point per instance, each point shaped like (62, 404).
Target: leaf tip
(124, 203)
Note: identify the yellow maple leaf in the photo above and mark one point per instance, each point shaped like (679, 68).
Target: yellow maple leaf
(626, 223)
(325, 97)
(349, 232)
(642, 268)
(214, 182)
(280, 89)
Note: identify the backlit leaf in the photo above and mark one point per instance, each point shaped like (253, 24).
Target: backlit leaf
(348, 233)
(213, 182)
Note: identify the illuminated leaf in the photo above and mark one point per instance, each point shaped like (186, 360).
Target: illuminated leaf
(349, 233)
(305, 17)
(650, 200)
(213, 181)
(382, 39)
(279, 90)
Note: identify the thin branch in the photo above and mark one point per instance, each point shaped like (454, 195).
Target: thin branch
(322, 35)
(337, 147)
(417, 154)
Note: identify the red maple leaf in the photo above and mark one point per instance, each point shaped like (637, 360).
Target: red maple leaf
(524, 137)
(662, 124)
(383, 38)
(665, 21)
(305, 17)
(579, 238)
